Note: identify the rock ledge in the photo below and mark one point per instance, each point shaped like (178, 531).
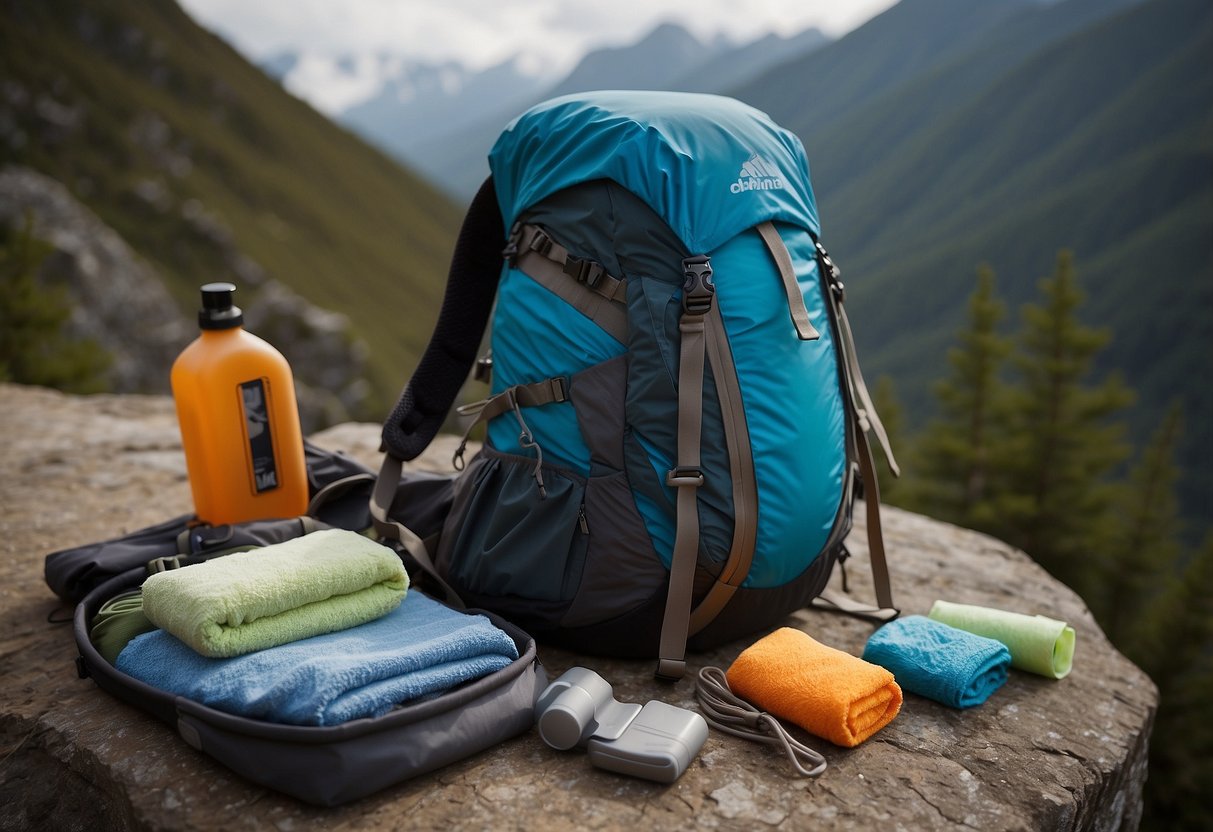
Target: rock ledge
(1038, 755)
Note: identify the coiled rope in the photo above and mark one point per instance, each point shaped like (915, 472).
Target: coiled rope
(727, 712)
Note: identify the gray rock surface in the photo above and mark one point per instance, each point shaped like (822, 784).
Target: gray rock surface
(1039, 754)
(117, 299)
(120, 302)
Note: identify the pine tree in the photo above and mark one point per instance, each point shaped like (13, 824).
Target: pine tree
(1061, 440)
(1177, 651)
(952, 459)
(1143, 541)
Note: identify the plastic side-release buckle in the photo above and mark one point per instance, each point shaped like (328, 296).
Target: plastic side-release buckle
(165, 564)
(584, 271)
(698, 290)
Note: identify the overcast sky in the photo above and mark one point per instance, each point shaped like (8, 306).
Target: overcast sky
(552, 33)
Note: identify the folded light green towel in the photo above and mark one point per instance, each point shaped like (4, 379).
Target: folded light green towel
(319, 583)
(1037, 644)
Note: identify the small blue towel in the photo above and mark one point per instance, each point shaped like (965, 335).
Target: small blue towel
(420, 648)
(940, 662)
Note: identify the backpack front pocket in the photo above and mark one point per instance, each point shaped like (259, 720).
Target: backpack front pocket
(506, 537)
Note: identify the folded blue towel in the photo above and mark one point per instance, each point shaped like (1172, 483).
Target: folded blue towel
(940, 662)
(420, 648)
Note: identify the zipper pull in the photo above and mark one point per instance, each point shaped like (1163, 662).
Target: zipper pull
(581, 521)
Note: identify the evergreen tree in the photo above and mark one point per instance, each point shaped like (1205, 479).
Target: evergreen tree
(33, 348)
(1061, 441)
(952, 460)
(1177, 651)
(1143, 543)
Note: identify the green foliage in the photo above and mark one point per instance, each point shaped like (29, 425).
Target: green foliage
(1177, 652)
(33, 346)
(1142, 543)
(953, 455)
(1045, 456)
(1079, 124)
(1060, 441)
(197, 159)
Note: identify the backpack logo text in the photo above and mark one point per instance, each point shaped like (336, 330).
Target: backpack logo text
(757, 174)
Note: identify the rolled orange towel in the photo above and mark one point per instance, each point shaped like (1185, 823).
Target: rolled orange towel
(827, 692)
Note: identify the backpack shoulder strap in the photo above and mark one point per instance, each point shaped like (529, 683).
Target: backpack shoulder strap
(431, 391)
(470, 289)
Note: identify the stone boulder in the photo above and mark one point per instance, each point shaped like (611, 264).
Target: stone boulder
(120, 302)
(1040, 754)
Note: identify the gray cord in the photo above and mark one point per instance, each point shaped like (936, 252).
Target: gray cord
(727, 712)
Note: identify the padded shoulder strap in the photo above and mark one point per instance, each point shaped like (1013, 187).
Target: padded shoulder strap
(470, 289)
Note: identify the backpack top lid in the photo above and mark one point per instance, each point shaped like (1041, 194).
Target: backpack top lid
(710, 166)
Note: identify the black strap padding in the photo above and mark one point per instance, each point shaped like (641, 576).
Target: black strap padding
(470, 289)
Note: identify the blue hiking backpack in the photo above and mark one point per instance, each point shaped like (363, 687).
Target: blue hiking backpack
(677, 425)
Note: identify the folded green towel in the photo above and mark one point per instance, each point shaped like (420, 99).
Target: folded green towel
(1037, 644)
(319, 583)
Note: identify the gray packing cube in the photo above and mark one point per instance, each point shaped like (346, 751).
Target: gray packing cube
(333, 764)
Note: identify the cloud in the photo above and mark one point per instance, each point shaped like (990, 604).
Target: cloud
(483, 32)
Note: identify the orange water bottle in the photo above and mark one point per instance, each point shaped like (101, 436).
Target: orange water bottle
(239, 420)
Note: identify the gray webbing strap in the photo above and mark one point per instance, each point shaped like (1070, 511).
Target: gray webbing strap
(868, 416)
(865, 420)
(741, 467)
(535, 394)
(884, 611)
(588, 289)
(686, 476)
(791, 287)
(548, 391)
(528, 239)
(871, 501)
(381, 503)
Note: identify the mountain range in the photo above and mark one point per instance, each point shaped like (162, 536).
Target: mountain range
(942, 134)
(442, 119)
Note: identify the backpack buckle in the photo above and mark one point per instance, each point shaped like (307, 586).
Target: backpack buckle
(165, 564)
(697, 288)
(510, 252)
(584, 271)
(540, 243)
(832, 273)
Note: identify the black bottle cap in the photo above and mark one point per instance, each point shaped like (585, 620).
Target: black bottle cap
(217, 311)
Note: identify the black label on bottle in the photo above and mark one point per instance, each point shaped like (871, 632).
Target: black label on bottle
(264, 467)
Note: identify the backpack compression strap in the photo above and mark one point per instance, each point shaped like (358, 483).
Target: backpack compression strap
(866, 419)
(686, 476)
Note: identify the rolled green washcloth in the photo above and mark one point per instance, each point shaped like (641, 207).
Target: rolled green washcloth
(118, 621)
(1037, 644)
(319, 583)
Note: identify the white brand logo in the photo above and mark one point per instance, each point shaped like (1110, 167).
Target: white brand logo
(757, 174)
